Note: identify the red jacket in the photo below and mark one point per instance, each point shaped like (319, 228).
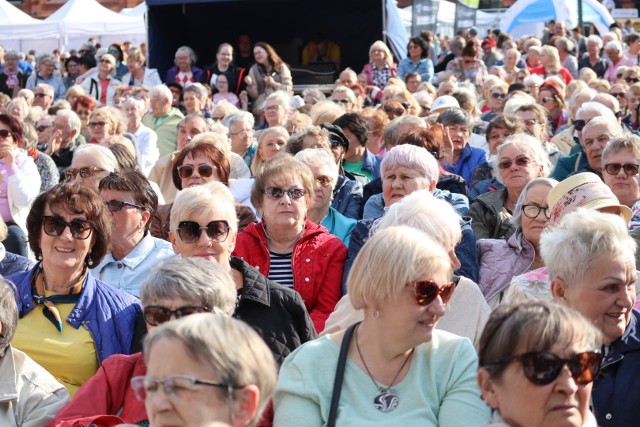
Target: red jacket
(105, 394)
(318, 261)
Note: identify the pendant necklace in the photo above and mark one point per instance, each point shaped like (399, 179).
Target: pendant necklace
(386, 400)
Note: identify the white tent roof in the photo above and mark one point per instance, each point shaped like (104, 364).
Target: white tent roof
(89, 18)
(15, 24)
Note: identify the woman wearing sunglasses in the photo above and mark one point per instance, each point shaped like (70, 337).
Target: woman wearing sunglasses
(102, 84)
(620, 160)
(90, 164)
(133, 252)
(552, 98)
(591, 262)
(538, 361)
(399, 369)
(105, 121)
(288, 248)
(19, 186)
(520, 159)
(496, 100)
(503, 259)
(178, 287)
(69, 321)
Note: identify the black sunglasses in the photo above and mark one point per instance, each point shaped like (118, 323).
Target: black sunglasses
(117, 205)
(543, 367)
(427, 291)
(630, 169)
(278, 193)
(156, 314)
(520, 161)
(54, 226)
(579, 124)
(4, 133)
(190, 231)
(499, 95)
(632, 80)
(393, 110)
(186, 171)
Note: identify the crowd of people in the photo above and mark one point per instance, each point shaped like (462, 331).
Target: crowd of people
(445, 239)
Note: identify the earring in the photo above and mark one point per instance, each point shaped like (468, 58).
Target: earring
(89, 260)
(39, 257)
(376, 314)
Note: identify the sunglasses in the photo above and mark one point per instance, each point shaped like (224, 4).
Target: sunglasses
(278, 193)
(498, 95)
(579, 124)
(190, 231)
(105, 61)
(547, 99)
(96, 124)
(324, 181)
(85, 172)
(341, 101)
(520, 161)
(427, 291)
(543, 367)
(186, 171)
(531, 122)
(55, 226)
(632, 80)
(117, 205)
(630, 169)
(4, 133)
(39, 95)
(618, 94)
(393, 110)
(157, 315)
(41, 128)
(532, 211)
(468, 61)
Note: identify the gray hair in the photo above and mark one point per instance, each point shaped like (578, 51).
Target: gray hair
(102, 156)
(392, 134)
(626, 141)
(8, 314)
(613, 127)
(73, 121)
(613, 45)
(595, 39)
(295, 143)
(46, 57)
(454, 117)
(189, 51)
(516, 220)
(412, 157)
(134, 102)
(239, 117)
(532, 146)
(226, 346)
(161, 91)
(191, 279)
(569, 248)
(281, 97)
(315, 93)
(595, 107)
(319, 156)
(204, 200)
(198, 89)
(11, 53)
(46, 88)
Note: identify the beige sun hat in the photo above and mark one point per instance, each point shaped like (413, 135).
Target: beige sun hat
(583, 190)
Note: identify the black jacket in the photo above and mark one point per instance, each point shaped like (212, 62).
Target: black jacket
(277, 313)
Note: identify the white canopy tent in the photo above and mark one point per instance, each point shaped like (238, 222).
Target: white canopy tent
(21, 32)
(78, 20)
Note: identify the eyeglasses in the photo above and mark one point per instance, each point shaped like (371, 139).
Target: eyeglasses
(427, 291)
(579, 124)
(117, 205)
(241, 132)
(531, 122)
(157, 315)
(547, 99)
(498, 95)
(324, 181)
(97, 124)
(630, 169)
(105, 61)
(39, 95)
(42, 128)
(632, 80)
(178, 386)
(520, 161)
(469, 61)
(341, 101)
(190, 231)
(4, 133)
(532, 211)
(186, 171)
(618, 94)
(272, 108)
(543, 367)
(85, 172)
(55, 226)
(278, 193)
(398, 111)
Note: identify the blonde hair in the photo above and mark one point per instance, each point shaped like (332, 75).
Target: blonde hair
(257, 162)
(380, 45)
(204, 200)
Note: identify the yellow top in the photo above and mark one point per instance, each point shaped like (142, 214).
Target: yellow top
(70, 355)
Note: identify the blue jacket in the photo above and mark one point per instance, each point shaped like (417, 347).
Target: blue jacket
(12, 263)
(616, 390)
(424, 67)
(371, 164)
(347, 197)
(374, 208)
(465, 250)
(570, 164)
(108, 313)
(470, 158)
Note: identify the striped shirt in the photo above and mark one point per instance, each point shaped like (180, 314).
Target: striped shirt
(280, 270)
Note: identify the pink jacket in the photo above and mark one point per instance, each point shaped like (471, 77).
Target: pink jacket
(318, 261)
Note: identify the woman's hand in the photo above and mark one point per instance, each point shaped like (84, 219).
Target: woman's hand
(269, 81)
(244, 99)
(8, 152)
(248, 80)
(447, 147)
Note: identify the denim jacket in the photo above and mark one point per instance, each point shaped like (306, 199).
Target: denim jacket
(347, 197)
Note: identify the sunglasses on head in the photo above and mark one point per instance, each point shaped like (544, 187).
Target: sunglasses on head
(278, 193)
(543, 367)
(427, 291)
(190, 231)
(520, 161)
(630, 169)
(186, 171)
(156, 314)
(398, 111)
(85, 172)
(55, 226)
(117, 205)
(498, 95)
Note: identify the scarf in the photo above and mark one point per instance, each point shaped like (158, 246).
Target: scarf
(38, 291)
(12, 78)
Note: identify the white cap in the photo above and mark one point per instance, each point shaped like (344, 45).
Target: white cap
(443, 103)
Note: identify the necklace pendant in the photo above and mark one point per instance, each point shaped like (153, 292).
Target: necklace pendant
(386, 400)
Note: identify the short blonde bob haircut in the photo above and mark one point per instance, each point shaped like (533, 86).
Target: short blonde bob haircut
(389, 260)
(380, 45)
(212, 200)
(227, 347)
(257, 162)
(626, 141)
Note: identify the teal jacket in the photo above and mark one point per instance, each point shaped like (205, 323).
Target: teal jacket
(339, 225)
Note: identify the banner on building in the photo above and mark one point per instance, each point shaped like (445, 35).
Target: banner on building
(425, 16)
(466, 14)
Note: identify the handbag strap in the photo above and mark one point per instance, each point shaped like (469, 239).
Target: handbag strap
(337, 382)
